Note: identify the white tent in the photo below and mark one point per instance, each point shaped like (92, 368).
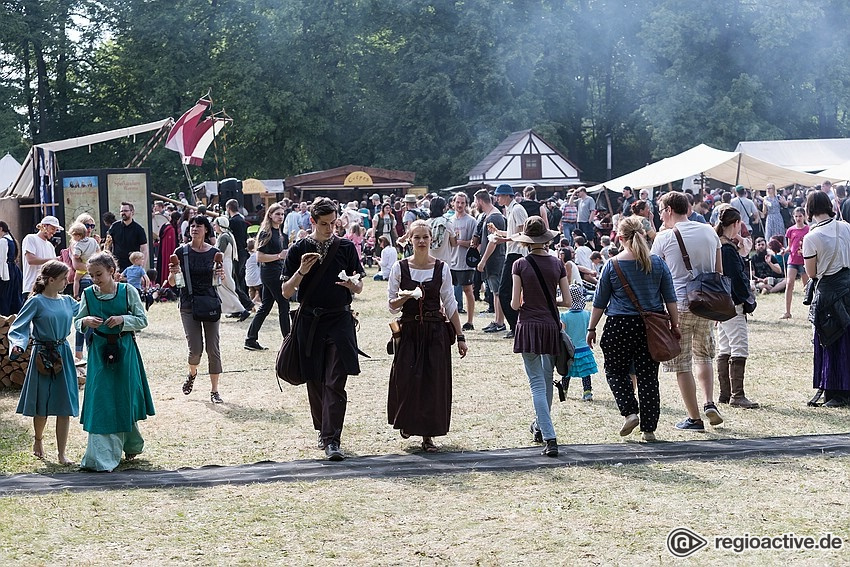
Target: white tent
(22, 182)
(9, 168)
(799, 155)
(732, 168)
(838, 173)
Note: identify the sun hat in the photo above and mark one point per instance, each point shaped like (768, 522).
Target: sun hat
(535, 232)
(410, 198)
(504, 189)
(222, 221)
(52, 221)
(577, 297)
(375, 197)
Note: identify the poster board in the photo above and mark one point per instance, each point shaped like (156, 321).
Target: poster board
(96, 191)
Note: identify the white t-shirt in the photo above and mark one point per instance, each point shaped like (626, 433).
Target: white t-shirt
(820, 243)
(701, 243)
(389, 256)
(746, 207)
(583, 257)
(447, 292)
(516, 216)
(252, 271)
(39, 248)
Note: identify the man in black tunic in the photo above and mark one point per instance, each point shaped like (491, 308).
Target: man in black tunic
(325, 325)
(239, 228)
(127, 236)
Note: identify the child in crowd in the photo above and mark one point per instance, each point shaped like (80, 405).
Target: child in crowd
(596, 260)
(117, 392)
(135, 273)
(794, 237)
(576, 322)
(582, 253)
(252, 274)
(152, 292)
(50, 386)
(82, 247)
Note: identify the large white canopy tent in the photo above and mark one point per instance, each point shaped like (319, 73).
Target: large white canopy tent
(732, 168)
(799, 155)
(838, 173)
(9, 168)
(22, 185)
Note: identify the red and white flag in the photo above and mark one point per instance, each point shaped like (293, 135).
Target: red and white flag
(192, 134)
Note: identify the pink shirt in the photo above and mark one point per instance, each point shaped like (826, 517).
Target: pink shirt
(794, 237)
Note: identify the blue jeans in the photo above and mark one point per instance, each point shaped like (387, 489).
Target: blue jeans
(540, 368)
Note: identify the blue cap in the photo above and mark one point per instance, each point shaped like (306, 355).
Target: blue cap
(504, 189)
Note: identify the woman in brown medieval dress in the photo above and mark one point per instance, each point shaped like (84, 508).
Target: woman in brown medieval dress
(420, 392)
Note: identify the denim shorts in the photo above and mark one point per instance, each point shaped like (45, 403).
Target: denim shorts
(801, 268)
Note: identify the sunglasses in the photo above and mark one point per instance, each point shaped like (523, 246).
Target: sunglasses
(87, 225)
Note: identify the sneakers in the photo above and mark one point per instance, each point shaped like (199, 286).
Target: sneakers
(462, 311)
(468, 327)
(189, 383)
(587, 396)
(215, 398)
(510, 334)
(648, 437)
(494, 328)
(691, 425)
(629, 425)
(551, 449)
(535, 431)
(332, 451)
(319, 443)
(254, 345)
(712, 414)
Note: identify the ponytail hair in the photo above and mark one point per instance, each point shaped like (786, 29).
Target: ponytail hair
(631, 231)
(50, 269)
(728, 215)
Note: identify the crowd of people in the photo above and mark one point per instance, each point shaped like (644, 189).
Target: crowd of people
(524, 258)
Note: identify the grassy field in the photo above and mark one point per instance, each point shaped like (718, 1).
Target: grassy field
(596, 515)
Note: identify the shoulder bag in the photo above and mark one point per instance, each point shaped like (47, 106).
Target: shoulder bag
(566, 351)
(663, 346)
(709, 293)
(205, 308)
(288, 361)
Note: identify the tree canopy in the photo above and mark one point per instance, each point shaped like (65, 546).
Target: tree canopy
(427, 86)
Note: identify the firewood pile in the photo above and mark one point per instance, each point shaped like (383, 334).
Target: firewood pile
(12, 372)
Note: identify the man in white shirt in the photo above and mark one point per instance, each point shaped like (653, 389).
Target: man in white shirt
(745, 206)
(516, 216)
(460, 238)
(36, 249)
(697, 339)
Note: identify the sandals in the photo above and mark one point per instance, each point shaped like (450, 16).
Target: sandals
(189, 383)
(428, 445)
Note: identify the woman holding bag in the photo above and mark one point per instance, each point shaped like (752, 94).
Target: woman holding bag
(624, 339)
(536, 277)
(732, 334)
(199, 256)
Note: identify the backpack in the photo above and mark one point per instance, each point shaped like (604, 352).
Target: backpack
(438, 232)
(420, 214)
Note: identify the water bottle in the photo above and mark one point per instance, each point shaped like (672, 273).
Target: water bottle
(178, 277)
(219, 262)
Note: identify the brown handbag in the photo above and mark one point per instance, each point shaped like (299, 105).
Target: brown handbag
(288, 361)
(663, 346)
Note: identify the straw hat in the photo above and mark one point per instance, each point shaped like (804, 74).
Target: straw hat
(52, 221)
(535, 232)
(410, 198)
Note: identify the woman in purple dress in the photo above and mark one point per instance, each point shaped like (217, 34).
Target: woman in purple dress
(538, 330)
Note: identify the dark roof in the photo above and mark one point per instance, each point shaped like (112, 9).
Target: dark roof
(338, 174)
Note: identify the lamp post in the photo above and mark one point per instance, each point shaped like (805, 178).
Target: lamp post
(608, 141)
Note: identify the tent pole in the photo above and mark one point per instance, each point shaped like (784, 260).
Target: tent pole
(189, 180)
(738, 173)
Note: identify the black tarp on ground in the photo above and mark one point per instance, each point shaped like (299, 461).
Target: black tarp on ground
(419, 464)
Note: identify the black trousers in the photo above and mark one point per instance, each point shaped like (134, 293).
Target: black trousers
(271, 294)
(506, 289)
(328, 400)
(623, 343)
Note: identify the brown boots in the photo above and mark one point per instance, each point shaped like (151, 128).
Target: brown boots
(723, 378)
(736, 377)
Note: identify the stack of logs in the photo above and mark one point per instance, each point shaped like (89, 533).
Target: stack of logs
(12, 372)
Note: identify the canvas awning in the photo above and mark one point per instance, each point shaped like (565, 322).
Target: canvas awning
(22, 186)
(838, 173)
(799, 155)
(9, 168)
(732, 168)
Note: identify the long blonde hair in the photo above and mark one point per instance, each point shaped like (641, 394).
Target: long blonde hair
(265, 233)
(631, 232)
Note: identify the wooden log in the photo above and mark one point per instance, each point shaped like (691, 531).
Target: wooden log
(17, 377)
